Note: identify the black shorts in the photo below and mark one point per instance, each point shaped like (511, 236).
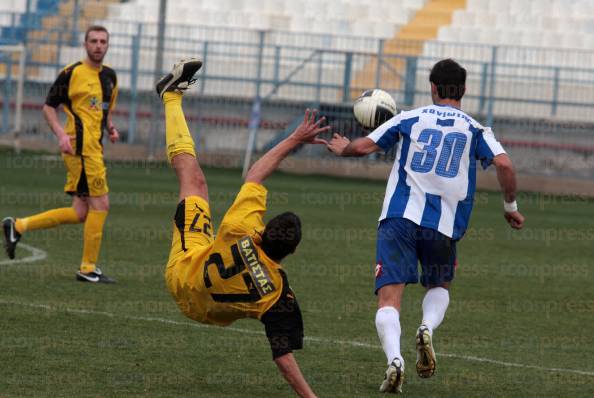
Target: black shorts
(283, 323)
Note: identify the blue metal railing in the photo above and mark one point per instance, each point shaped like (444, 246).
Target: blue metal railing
(330, 74)
(31, 19)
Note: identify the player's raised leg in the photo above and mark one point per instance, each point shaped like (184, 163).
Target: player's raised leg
(180, 145)
(193, 191)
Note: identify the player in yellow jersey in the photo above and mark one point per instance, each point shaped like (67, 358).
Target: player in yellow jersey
(87, 90)
(237, 273)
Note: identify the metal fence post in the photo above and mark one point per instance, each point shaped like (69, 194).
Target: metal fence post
(380, 61)
(491, 106)
(160, 49)
(411, 81)
(256, 115)
(555, 101)
(75, 19)
(20, 88)
(59, 51)
(134, 83)
(28, 23)
(277, 58)
(7, 95)
(483, 95)
(204, 66)
(346, 87)
(319, 77)
(13, 25)
(261, 36)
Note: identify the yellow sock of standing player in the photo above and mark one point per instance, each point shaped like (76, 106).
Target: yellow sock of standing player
(47, 219)
(92, 235)
(177, 134)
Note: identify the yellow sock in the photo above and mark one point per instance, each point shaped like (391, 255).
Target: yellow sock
(177, 134)
(48, 219)
(93, 232)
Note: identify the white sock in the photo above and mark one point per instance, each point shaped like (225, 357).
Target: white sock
(387, 323)
(435, 305)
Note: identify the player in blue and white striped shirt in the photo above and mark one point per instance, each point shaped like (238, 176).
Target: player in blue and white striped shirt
(427, 207)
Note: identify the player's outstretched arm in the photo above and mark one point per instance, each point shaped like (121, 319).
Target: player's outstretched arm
(305, 133)
(507, 180)
(342, 146)
(290, 370)
(51, 116)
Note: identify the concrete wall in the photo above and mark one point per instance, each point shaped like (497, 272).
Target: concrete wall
(355, 168)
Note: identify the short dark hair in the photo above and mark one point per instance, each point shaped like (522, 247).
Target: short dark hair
(281, 236)
(95, 28)
(450, 79)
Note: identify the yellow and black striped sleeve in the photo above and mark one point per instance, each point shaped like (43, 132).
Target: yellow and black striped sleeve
(109, 88)
(114, 96)
(58, 92)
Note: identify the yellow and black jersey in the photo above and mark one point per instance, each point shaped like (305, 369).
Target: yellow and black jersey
(219, 280)
(88, 95)
(222, 279)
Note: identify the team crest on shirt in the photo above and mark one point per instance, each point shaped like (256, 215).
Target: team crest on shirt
(99, 183)
(378, 270)
(93, 103)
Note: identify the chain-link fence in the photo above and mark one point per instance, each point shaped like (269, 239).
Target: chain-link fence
(540, 101)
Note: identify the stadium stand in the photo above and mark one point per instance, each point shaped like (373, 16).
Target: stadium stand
(408, 42)
(334, 17)
(427, 29)
(18, 6)
(534, 39)
(527, 59)
(555, 23)
(342, 25)
(293, 27)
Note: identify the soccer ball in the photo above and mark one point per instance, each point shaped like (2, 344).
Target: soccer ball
(373, 108)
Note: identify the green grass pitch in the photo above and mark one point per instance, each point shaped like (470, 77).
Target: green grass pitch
(521, 302)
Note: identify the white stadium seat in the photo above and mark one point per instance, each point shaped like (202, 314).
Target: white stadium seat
(468, 34)
(478, 5)
(546, 34)
(5, 19)
(324, 16)
(464, 17)
(572, 40)
(489, 36)
(532, 38)
(516, 7)
(448, 34)
(553, 23)
(18, 6)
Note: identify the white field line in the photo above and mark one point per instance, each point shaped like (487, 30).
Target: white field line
(312, 338)
(36, 255)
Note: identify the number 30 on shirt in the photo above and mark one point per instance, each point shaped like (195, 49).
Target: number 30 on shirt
(448, 160)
